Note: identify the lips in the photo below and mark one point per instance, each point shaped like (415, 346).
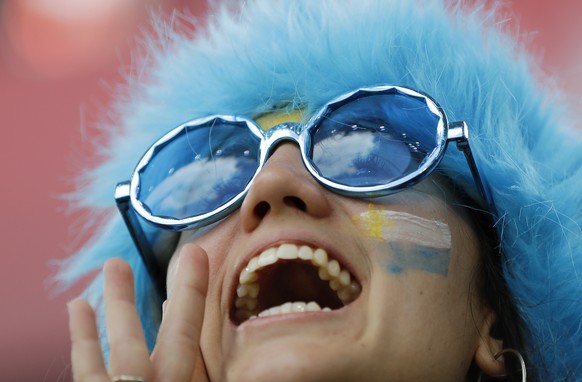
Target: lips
(292, 279)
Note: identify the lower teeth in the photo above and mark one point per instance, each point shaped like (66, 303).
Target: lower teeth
(292, 307)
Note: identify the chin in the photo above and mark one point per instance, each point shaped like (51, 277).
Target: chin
(291, 365)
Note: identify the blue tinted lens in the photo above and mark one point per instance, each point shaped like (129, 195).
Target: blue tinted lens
(199, 170)
(374, 139)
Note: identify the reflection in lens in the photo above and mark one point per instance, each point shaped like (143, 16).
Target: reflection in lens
(375, 139)
(200, 169)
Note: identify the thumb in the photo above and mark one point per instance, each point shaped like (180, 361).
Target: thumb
(177, 345)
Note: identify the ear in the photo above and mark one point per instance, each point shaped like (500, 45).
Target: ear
(488, 347)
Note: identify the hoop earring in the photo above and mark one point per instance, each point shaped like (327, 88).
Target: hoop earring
(519, 357)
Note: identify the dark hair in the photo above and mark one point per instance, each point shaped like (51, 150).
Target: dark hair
(494, 292)
(488, 276)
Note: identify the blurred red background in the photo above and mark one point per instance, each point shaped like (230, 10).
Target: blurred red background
(54, 69)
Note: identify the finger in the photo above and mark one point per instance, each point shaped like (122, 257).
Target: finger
(128, 350)
(177, 345)
(86, 357)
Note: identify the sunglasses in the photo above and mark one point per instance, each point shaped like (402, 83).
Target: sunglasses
(367, 143)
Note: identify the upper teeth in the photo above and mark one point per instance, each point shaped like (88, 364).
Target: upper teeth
(248, 289)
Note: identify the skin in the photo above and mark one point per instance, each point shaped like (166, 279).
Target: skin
(414, 325)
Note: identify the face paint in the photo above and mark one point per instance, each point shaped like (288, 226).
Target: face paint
(411, 256)
(269, 120)
(413, 242)
(373, 221)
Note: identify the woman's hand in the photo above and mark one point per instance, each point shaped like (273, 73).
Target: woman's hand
(176, 356)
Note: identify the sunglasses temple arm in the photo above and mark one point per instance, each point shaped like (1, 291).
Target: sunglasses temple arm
(136, 232)
(459, 132)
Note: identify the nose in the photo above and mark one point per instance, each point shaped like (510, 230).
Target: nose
(283, 186)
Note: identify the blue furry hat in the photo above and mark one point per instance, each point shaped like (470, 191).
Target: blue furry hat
(304, 53)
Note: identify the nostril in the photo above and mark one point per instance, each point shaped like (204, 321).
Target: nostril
(261, 209)
(293, 201)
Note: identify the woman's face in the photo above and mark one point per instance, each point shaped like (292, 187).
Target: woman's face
(404, 266)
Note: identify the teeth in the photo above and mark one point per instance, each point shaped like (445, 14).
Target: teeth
(320, 257)
(305, 253)
(344, 278)
(348, 294)
(312, 307)
(287, 252)
(333, 268)
(268, 257)
(293, 307)
(323, 274)
(335, 284)
(253, 265)
(299, 307)
(248, 289)
(247, 277)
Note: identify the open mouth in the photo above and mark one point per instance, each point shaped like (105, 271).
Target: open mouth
(292, 279)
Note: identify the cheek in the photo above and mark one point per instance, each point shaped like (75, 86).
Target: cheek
(418, 297)
(402, 257)
(405, 242)
(417, 260)
(213, 239)
(419, 309)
